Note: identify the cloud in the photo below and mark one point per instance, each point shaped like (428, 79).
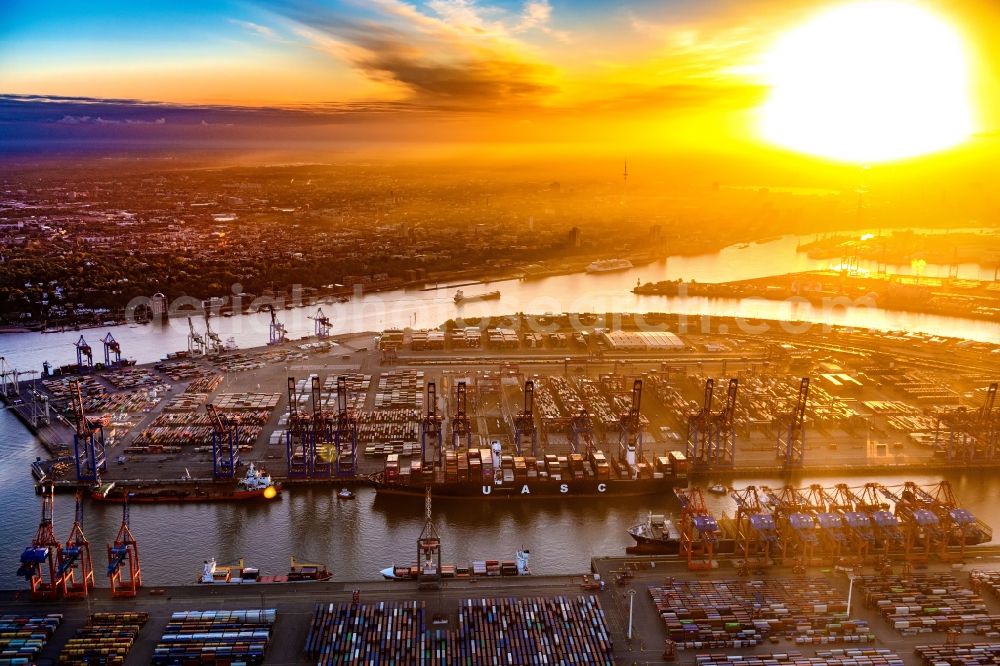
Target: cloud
(454, 54)
(255, 28)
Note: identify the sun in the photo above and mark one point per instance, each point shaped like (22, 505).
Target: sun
(868, 82)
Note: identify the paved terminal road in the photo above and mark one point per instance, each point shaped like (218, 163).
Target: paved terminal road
(295, 604)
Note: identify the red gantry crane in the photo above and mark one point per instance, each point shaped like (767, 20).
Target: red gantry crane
(699, 530)
(40, 561)
(76, 556)
(124, 571)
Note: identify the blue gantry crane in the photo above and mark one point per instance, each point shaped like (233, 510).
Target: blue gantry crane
(276, 330)
(112, 351)
(298, 445)
(461, 424)
(524, 422)
(225, 443)
(430, 428)
(84, 356)
(88, 441)
(630, 429)
(322, 451)
(346, 435)
(699, 431)
(792, 431)
(322, 324)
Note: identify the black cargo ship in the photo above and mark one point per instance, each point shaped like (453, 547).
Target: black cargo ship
(486, 474)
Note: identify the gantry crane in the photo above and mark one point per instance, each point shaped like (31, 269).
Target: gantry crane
(461, 424)
(630, 429)
(88, 441)
(225, 444)
(756, 531)
(581, 433)
(346, 436)
(524, 422)
(76, 556)
(859, 532)
(793, 516)
(970, 436)
(699, 432)
(124, 571)
(699, 530)
(298, 448)
(922, 533)
(323, 451)
(322, 324)
(276, 330)
(40, 561)
(888, 534)
(196, 341)
(722, 440)
(962, 526)
(112, 351)
(213, 343)
(430, 428)
(428, 550)
(8, 378)
(833, 534)
(84, 356)
(792, 431)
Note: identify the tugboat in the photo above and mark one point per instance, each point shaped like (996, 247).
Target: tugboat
(718, 489)
(256, 484)
(345, 494)
(657, 534)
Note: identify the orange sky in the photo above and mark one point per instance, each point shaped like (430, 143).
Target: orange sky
(640, 74)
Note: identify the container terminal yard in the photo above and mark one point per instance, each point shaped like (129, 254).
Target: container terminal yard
(813, 572)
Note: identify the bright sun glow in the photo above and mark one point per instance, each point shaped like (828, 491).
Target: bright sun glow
(868, 82)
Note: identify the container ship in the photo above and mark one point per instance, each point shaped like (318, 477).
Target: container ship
(489, 475)
(608, 265)
(460, 296)
(239, 574)
(256, 485)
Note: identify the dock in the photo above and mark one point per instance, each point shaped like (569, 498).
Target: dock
(648, 579)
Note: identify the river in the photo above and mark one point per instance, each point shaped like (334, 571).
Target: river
(577, 292)
(357, 538)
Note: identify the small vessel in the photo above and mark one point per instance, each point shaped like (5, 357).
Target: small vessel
(657, 532)
(718, 489)
(460, 296)
(479, 568)
(238, 573)
(256, 484)
(607, 265)
(742, 246)
(345, 494)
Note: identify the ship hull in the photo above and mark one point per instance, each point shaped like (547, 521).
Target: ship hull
(532, 489)
(194, 494)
